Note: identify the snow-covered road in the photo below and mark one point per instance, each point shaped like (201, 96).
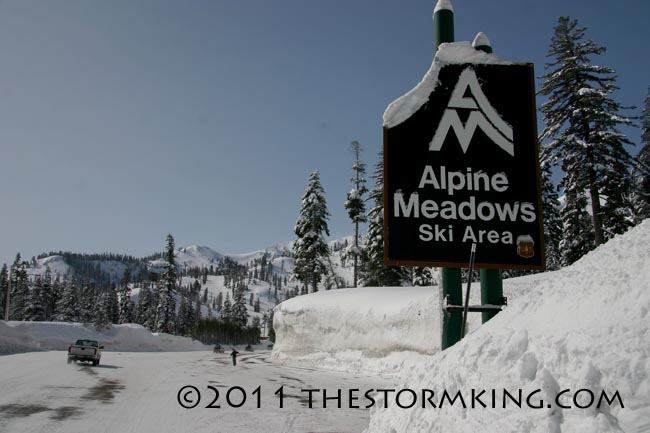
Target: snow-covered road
(139, 392)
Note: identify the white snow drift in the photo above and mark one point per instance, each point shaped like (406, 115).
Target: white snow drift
(18, 337)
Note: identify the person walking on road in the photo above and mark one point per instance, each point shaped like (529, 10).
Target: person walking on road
(234, 356)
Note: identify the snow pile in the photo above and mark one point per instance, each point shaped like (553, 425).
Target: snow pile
(373, 328)
(30, 336)
(584, 327)
(449, 53)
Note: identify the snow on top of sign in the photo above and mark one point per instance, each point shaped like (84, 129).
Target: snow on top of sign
(481, 40)
(443, 5)
(448, 53)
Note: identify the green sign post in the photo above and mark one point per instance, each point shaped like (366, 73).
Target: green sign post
(452, 284)
(491, 279)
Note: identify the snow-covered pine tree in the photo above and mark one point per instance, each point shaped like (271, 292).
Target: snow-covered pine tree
(57, 293)
(641, 195)
(101, 317)
(356, 206)
(166, 308)
(239, 310)
(19, 287)
(552, 219)
(373, 271)
(4, 288)
(310, 249)
(185, 317)
(226, 310)
(256, 323)
(219, 302)
(113, 304)
(125, 313)
(67, 308)
(146, 308)
(35, 305)
(581, 129)
(87, 302)
(578, 237)
(47, 294)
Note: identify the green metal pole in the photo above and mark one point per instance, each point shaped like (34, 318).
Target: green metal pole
(452, 285)
(482, 43)
(491, 279)
(491, 291)
(443, 23)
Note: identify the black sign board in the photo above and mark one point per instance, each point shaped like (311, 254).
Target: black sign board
(464, 169)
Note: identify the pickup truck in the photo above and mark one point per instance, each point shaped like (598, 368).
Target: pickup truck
(85, 350)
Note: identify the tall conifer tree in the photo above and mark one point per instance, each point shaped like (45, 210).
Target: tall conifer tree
(552, 219)
(582, 137)
(641, 196)
(125, 314)
(19, 287)
(374, 272)
(356, 206)
(310, 249)
(166, 309)
(4, 288)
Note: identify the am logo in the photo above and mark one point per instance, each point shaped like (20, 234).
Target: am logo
(482, 115)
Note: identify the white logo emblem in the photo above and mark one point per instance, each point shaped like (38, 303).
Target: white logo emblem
(483, 115)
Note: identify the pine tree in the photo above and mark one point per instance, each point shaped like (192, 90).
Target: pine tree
(146, 308)
(48, 296)
(310, 249)
(226, 310)
(581, 129)
(374, 272)
(578, 237)
(101, 317)
(641, 195)
(355, 205)
(552, 219)
(239, 310)
(166, 309)
(219, 301)
(88, 298)
(125, 313)
(4, 288)
(57, 293)
(67, 307)
(19, 287)
(35, 305)
(185, 317)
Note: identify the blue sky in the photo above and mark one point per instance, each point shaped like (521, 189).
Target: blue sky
(122, 121)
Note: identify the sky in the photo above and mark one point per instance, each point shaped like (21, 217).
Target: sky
(122, 121)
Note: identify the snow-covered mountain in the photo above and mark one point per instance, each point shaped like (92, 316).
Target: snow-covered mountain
(193, 256)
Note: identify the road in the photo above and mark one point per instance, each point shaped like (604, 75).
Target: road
(143, 392)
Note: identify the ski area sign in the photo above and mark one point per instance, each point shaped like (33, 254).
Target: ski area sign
(463, 169)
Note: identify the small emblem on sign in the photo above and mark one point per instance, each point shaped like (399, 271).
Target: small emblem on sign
(525, 246)
(483, 116)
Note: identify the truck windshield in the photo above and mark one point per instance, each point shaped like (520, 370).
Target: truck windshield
(86, 343)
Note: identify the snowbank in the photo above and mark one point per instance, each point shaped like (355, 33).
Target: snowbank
(18, 337)
(382, 329)
(584, 327)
